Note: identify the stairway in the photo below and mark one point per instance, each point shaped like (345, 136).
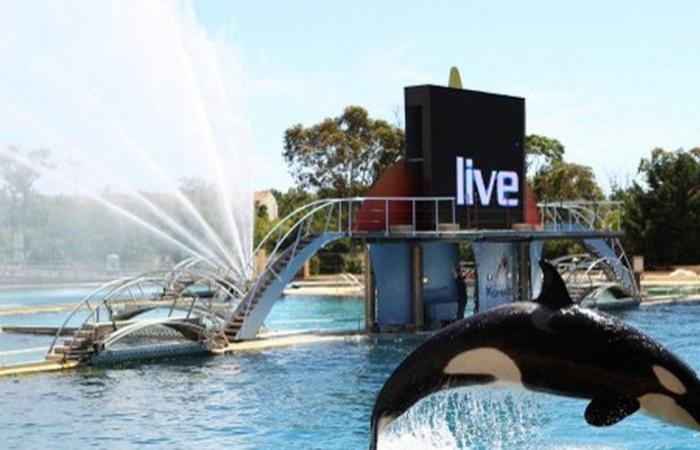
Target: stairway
(264, 282)
(79, 347)
(252, 310)
(612, 266)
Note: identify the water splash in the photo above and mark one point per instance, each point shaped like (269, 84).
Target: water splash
(474, 418)
(147, 94)
(62, 180)
(7, 110)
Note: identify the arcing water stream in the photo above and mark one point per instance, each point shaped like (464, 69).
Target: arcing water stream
(141, 97)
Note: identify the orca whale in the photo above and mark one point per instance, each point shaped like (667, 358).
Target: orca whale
(548, 345)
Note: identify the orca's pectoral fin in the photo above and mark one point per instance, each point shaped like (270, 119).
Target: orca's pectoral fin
(607, 410)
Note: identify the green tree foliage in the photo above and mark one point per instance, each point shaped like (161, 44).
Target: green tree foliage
(566, 181)
(289, 201)
(662, 218)
(542, 150)
(555, 179)
(18, 175)
(342, 156)
(263, 224)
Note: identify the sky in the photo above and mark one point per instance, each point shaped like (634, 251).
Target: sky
(137, 95)
(610, 80)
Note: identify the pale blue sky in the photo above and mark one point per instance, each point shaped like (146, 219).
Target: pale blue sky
(611, 80)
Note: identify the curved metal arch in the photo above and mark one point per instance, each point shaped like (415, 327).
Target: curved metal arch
(196, 300)
(284, 220)
(188, 263)
(133, 282)
(598, 289)
(597, 263)
(84, 302)
(199, 304)
(103, 295)
(295, 228)
(123, 332)
(219, 280)
(159, 281)
(567, 258)
(300, 223)
(204, 312)
(585, 213)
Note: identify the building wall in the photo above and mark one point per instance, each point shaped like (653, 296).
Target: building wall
(268, 199)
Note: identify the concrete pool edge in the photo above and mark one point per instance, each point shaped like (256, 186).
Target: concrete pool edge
(263, 343)
(35, 367)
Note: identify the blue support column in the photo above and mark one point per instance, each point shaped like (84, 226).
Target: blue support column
(439, 288)
(392, 272)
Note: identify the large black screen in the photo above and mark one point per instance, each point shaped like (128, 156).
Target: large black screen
(469, 145)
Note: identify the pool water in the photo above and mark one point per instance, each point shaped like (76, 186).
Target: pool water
(315, 396)
(42, 296)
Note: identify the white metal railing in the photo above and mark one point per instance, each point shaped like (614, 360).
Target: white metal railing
(340, 215)
(351, 217)
(152, 287)
(591, 215)
(405, 216)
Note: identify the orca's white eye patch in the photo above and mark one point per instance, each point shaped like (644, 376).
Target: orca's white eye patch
(669, 380)
(487, 361)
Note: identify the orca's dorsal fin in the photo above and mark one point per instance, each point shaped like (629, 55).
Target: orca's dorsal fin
(554, 293)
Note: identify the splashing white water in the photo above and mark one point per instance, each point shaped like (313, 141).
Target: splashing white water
(138, 90)
(474, 418)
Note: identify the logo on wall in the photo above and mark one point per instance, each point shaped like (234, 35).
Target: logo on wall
(470, 179)
(500, 285)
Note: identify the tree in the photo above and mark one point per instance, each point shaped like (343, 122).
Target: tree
(18, 178)
(662, 219)
(541, 151)
(553, 178)
(562, 181)
(342, 156)
(263, 224)
(288, 201)
(18, 175)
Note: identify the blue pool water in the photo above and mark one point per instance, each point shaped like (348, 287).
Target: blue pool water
(317, 396)
(43, 296)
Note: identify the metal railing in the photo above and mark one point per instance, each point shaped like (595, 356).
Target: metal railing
(398, 216)
(352, 217)
(602, 215)
(592, 215)
(151, 290)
